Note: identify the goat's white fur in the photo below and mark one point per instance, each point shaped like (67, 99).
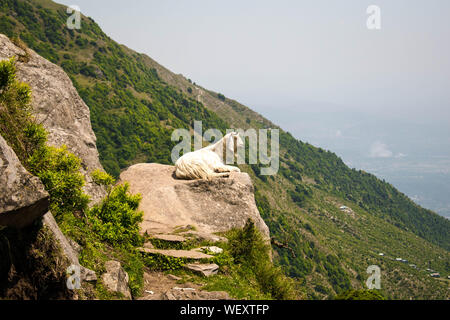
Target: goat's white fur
(207, 163)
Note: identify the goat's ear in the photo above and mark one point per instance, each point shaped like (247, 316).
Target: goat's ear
(230, 139)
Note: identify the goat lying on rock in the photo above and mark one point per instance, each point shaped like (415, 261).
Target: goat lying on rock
(207, 163)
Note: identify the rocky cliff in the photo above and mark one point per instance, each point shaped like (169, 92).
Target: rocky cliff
(22, 196)
(58, 107)
(36, 254)
(33, 257)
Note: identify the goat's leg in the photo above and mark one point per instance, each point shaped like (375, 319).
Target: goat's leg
(221, 169)
(226, 168)
(218, 175)
(233, 169)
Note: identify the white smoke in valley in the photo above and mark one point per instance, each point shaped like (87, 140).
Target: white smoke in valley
(380, 150)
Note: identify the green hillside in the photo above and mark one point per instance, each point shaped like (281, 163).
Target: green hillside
(135, 104)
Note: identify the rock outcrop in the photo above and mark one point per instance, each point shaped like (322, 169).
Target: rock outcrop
(209, 206)
(59, 108)
(116, 279)
(204, 269)
(23, 198)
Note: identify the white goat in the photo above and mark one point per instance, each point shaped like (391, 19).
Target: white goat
(208, 163)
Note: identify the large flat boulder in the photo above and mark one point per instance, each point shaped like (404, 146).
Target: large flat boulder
(23, 198)
(57, 105)
(212, 206)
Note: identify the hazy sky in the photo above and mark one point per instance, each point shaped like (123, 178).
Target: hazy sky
(296, 54)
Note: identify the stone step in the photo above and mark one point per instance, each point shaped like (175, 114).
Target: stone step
(215, 250)
(169, 237)
(203, 269)
(204, 236)
(149, 245)
(186, 254)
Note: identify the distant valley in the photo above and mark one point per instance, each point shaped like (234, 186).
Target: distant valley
(412, 156)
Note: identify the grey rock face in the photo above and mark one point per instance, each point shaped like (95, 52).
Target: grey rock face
(59, 108)
(210, 206)
(116, 279)
(22, 196)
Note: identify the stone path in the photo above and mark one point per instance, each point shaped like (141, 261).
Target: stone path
(158, 286)
(186, 254)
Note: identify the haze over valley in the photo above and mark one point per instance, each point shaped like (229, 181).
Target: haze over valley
(414, 156)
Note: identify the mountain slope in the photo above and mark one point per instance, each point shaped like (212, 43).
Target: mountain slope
(135, 104)
(327, 169)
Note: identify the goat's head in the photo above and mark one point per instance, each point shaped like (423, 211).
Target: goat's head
(232, 141)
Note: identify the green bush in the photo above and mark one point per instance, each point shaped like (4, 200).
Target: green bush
(134, 266)
(17, 125)
(7, 75)
(162, 263)
(223, 259)
(252, 253)
(338, 277)
(103, 179)
(300, 194)
(116, 219)
(7, 26)
(247, 244)
(59, 171)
